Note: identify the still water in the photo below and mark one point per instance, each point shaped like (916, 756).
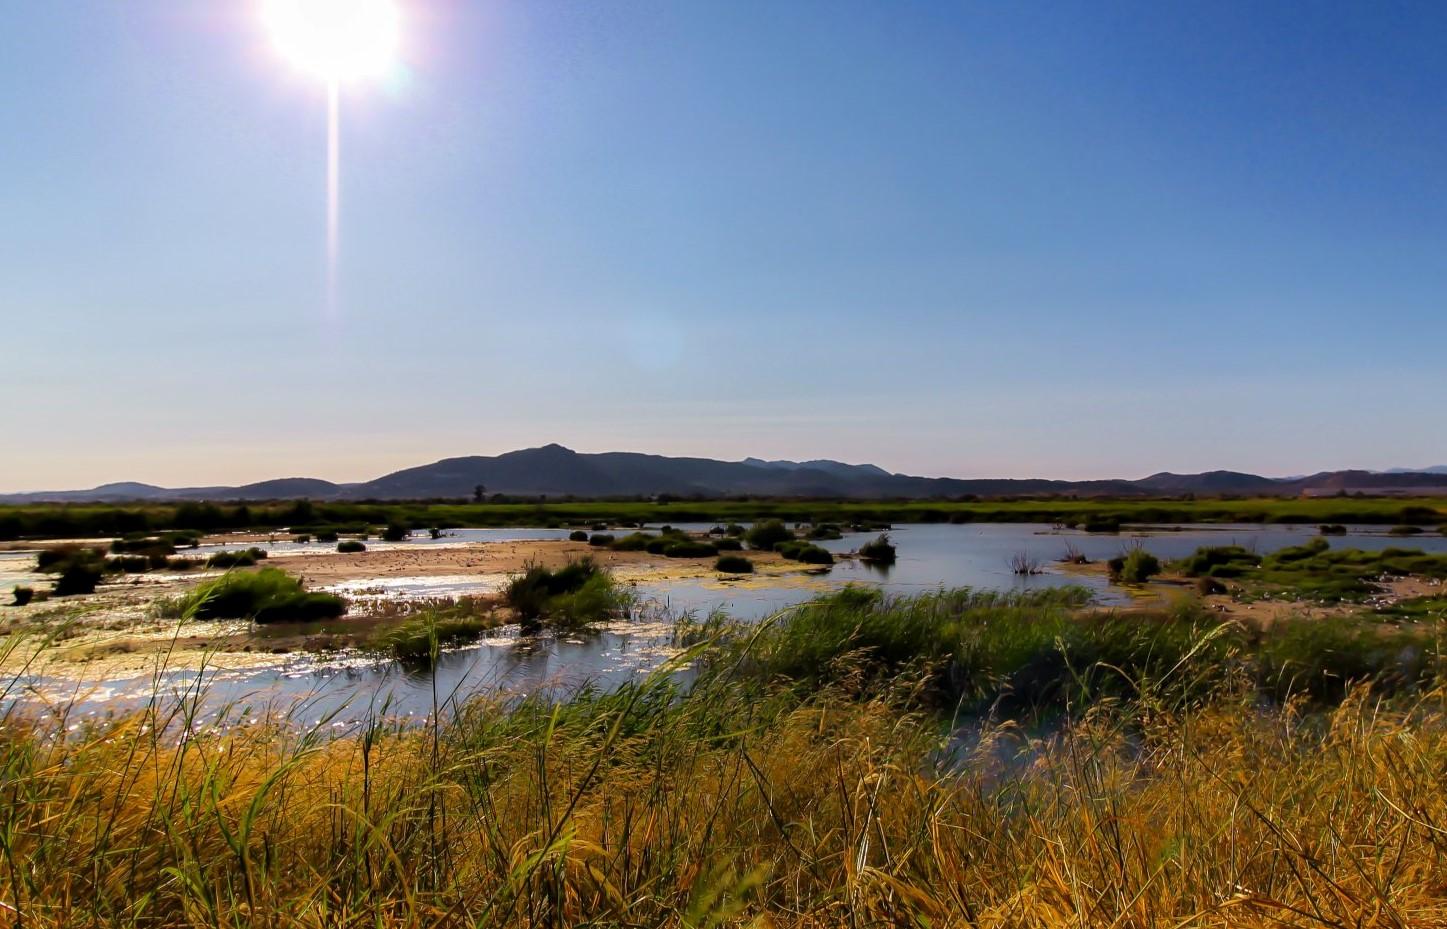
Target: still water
(346, 688)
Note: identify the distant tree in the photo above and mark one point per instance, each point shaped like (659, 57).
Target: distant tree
(478, 493)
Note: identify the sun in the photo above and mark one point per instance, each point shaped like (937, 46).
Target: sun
(335, 40)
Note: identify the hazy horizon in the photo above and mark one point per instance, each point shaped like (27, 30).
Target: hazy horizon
(965, 240)
(183, 482)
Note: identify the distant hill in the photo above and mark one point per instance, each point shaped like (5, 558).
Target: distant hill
(556, 471)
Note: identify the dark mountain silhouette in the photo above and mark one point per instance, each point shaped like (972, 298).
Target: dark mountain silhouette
(556, 471)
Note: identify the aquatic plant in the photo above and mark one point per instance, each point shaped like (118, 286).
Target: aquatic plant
(1024, 563)
(808, 553)
(690, 548)
(733, 564)
(266, 596)
(1405, 530)
(767, 535)
(238, 559)
(580, 591)
(1218, 561)
(1134, 566)
(1332, 529)
(881, 551)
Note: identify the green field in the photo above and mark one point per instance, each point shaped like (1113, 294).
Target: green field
(97, 520)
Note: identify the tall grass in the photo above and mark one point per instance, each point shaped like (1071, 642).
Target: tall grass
(734, 804)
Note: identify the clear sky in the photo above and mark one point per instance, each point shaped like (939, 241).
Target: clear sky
(972, 239)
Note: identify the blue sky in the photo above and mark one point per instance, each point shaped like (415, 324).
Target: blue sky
(974, 239)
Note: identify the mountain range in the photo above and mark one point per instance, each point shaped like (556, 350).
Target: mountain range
(555, 471)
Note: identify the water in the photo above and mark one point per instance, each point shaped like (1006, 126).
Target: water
(930, 557)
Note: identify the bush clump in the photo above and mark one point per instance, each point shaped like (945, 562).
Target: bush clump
(880, 551)
(600, 540)
(1218, 561)
(632, 542)
(825, 531)
(690, 548)
(241, 559)
(1405, 530)
(1134, 567)
(416, 640)
(22, 595)
(768, 535)
(1332, 529)
(351, 546)
(267, 596)
(728, 545)
(733, 564)
(578, 592)
(395, 532)
(578, 535)
(79, 568)
(53, 560)
(808, 553)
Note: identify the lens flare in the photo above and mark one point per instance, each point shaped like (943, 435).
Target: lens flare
(335, 40)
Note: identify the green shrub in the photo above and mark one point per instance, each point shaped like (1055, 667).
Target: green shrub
(728, 545)
(633, 542)
(1101, 524)
(798, 550)
(395, 532)
(600, 540)
(1134, 567)
(824, 531)
(1206, 586)
(1405, 530)
(241, 559)
(416, 639)
(690, 548)
(735, 530)
(53, 560)
(301, 539)
(266, 596)
(880, 551)
(1332, 529)
(79, 568)
(579, 591)
(183, 564)
(327, 536)
(143, 546)
(767, 535)
(22, 595)
(78, 577)
(1218, 561)
(130, 564)
(578, 535)
(351, 547)
(734, 564)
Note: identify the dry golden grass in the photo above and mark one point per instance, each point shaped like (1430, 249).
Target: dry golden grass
(646, 808)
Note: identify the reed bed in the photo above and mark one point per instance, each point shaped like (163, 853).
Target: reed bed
(745, 799)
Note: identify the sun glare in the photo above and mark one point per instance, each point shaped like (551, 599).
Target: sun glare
(335, 40)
